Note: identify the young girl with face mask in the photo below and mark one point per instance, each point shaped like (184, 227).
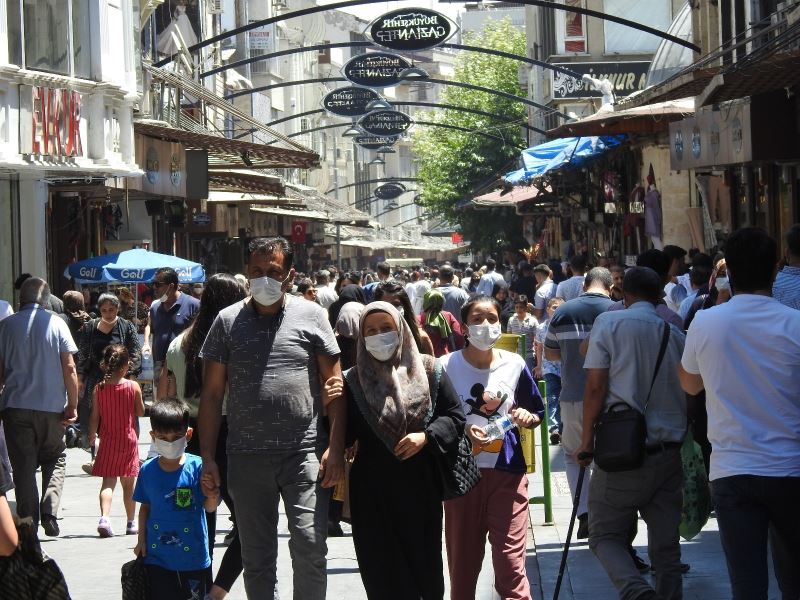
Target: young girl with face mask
(402, 411)
(498, 393)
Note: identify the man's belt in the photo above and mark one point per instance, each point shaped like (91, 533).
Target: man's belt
(661, 447)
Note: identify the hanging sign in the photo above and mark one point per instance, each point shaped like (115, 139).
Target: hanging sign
(389, 191)
(411, 29)
(375, 69)
(375, 142)
(299, 232)
(349, 101)
(385, 122)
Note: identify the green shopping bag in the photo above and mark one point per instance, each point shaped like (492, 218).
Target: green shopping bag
(696, 491)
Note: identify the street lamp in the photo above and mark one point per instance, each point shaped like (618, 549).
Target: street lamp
(351, 131)
(377, 161)
(413, 74)
(379, 104)
(386, 150)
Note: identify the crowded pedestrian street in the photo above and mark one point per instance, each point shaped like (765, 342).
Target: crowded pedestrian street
(91, 571)
(399, 300)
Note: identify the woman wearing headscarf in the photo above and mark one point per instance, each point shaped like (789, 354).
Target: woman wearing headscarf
(347, 333)
(441, 326)
(349, 293)
(74, 315)
(500, 293)
(395, 294)
(403, 411)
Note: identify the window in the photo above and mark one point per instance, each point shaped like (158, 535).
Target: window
(571, 28)
(57, 37)
(258, 67)
(357, 37)
(625, 40)
(324, 55)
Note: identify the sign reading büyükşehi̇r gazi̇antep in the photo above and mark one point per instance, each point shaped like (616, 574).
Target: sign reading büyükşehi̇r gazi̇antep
(411, 29)
(389, 191)
(375, 69)
(375, 142)
(349, 101)
(385, 122)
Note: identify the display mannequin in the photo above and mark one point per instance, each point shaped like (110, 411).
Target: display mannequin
(652, 216)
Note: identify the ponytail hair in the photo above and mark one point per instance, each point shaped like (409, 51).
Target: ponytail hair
(115, 357)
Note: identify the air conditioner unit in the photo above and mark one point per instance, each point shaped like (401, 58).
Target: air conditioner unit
(214, 7)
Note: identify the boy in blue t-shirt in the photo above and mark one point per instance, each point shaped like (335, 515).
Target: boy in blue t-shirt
(173, 538)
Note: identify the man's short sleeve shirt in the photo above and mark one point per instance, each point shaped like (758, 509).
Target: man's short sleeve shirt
(274, 402)
(167, 324)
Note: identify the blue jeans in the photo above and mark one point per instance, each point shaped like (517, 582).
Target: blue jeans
(553, 383)
(750, 510)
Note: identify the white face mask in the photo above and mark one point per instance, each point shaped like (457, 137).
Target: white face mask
(721, 283)
(266, 290)
(163, 298)
(171, 450)
(383, 345)
(108, 322)
(484, 337)
(400, 311)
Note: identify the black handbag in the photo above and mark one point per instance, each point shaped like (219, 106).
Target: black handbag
(621, 432)
(458, 470)
(134, 580)
(29, 574)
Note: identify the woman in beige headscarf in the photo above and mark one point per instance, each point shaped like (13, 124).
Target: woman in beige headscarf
(402, 410)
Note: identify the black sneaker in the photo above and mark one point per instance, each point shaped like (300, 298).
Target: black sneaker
(583, 526)
(555, 438)
(685, 568)
(50, 526)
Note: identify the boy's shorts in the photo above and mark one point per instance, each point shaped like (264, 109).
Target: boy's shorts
(164, 584)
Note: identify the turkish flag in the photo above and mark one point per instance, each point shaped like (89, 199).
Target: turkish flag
(456, 238)
(299, 232)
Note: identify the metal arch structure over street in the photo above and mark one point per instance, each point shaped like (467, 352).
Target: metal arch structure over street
(348, 3)
(426, 104)
(361, 44)
(378, 180)
(424, 124)
(469, 86)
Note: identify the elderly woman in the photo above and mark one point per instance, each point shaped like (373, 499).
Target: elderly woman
(441, 326)
(95, 335)
(403, 411)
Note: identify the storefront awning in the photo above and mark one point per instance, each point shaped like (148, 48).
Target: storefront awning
(572, 151)
(507, 196)
(648, 119)
(231, 151)
(243, 180)
(298, 213)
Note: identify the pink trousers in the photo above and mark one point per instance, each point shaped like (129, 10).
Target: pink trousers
(498, 505)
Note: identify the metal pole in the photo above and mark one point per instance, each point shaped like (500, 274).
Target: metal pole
(336, 192)
(547, 495)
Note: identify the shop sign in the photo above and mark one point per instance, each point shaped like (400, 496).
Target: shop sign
(385, 122)
(375, 69)
(201, 219)
(375, 142)
(54, 125)
(262, 38)
(627, 77)
(411, 29)
(349, 101)
(389, 191)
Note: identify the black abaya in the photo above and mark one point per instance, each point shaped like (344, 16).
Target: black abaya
(396, 505)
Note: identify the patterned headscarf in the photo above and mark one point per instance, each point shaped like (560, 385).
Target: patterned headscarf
(432, 304)
(395, 395)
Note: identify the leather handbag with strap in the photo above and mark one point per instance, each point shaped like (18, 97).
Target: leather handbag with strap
(621, 432)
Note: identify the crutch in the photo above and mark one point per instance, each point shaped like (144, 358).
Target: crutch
(575, 502)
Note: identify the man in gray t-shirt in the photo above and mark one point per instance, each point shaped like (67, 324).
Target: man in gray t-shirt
(275, 353)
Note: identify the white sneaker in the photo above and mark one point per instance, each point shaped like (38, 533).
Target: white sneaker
(104, 528)
(132, 528)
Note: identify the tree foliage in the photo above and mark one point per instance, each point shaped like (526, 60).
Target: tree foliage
(453, 163)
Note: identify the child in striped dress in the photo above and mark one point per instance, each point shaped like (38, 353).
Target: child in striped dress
(116, 404)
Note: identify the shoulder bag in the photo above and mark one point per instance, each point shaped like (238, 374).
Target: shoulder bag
(621, 432)
(457, 468)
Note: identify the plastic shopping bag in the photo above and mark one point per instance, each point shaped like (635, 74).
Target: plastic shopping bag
(696, 491)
